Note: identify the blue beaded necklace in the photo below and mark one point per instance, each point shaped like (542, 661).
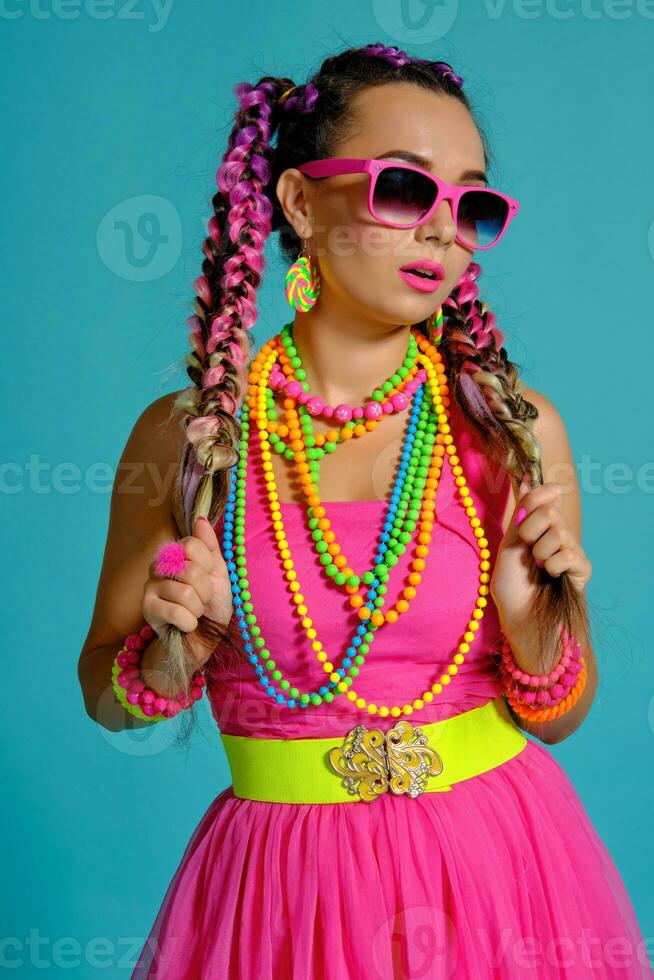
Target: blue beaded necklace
(354, 658)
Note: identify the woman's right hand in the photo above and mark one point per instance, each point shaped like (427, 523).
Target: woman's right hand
(203, 589)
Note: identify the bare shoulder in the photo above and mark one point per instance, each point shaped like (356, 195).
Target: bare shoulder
(556, 454)
(156, 442)
(550, 431)
(158, 427)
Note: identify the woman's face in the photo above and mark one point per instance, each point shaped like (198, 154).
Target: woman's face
(358, 258)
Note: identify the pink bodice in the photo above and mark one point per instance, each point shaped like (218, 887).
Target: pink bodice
(406, 657)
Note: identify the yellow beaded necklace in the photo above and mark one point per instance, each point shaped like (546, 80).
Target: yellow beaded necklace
(432, 361)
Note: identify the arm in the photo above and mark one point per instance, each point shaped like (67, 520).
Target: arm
(141, 519)
(559, 467)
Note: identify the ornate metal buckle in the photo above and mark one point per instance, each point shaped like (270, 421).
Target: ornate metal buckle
(373, 761)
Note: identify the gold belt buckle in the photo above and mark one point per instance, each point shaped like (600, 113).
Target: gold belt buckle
(372, 761)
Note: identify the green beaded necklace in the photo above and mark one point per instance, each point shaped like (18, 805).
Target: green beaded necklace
(400, 524)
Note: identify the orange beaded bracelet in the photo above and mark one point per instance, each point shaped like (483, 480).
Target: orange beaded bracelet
(548, 714)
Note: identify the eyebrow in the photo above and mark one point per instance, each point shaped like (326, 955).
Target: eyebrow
(419, 161)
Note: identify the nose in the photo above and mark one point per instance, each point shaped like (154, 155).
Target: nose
(440, 225)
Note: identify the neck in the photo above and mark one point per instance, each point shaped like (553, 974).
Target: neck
(345, 358)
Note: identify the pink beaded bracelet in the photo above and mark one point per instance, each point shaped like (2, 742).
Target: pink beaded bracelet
(539, 680)
(548, 697)
(131, 690)
(542, 689)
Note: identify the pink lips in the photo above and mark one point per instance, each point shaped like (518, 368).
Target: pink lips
(420, 282)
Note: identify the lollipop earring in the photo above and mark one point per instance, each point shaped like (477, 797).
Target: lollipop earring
(302, 282)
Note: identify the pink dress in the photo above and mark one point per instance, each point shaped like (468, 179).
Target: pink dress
(503, 877)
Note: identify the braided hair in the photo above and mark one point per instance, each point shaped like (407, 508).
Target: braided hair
(309, 122)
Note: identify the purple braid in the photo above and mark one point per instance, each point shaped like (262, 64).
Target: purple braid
(219, 340)
(225, 310)
(398, 59)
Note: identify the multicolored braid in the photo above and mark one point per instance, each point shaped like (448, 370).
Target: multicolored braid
(309, 122)
(226, 302)
(225, 310)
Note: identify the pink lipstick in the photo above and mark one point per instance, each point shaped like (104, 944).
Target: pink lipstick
(423, 275)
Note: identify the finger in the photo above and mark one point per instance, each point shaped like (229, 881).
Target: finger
(203, 529)
(529, 498)
(520, 510)
(198, 577)
(196, 550)
(537, 526)
(183, 594)
(197, 557)
(176, 615)
(551, 544)
(557, 563)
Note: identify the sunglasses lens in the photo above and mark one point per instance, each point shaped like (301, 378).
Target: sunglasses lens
(402, 196)
(481, 217)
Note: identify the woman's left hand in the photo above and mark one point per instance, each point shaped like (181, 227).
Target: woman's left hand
(543, 535)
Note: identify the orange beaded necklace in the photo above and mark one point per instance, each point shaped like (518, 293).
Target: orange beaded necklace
(430, 358)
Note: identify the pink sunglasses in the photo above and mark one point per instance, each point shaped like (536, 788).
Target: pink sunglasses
(404, 196)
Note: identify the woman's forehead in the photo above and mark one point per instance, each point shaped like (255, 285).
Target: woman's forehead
(435, 126)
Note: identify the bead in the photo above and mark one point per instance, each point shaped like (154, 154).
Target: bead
(342, 413)
(315, 406)
(373, 410)
(138, 699)
(416, 517)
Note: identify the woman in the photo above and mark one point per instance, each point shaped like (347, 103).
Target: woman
(388, 816)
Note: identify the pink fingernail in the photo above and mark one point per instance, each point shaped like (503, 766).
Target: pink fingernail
(538, 562)
(520, 516)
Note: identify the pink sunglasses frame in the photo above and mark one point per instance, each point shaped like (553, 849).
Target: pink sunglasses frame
(334, 166)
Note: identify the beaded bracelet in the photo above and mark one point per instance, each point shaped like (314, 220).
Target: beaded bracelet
(539, 680)
(553, 693)
(546, 698)
(130, 688)
(536, 694)
(547, 714)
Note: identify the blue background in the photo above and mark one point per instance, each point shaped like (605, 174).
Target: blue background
(115, 119)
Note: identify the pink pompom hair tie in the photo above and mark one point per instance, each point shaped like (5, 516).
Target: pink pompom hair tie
(171, 559)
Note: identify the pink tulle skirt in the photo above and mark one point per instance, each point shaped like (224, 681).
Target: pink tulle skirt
(504, 877)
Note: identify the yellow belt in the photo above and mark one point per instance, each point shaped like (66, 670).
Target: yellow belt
(370, 761)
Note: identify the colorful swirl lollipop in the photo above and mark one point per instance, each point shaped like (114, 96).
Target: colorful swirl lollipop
(302, 283)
